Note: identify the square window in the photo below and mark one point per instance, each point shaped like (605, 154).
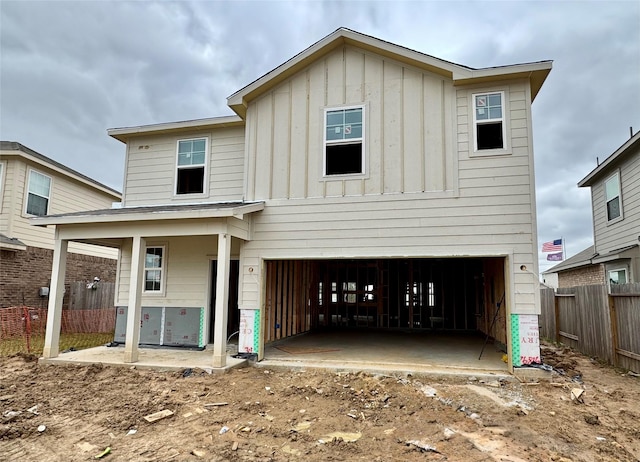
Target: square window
(38, 195)
(191, 162)
(618, 276)
(489, 124)
(344, 135)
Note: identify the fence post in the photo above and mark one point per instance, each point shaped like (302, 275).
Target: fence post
(556, 312)
(614, 328)
(27, 327)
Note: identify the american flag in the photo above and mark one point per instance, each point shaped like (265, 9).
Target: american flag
(552, 246)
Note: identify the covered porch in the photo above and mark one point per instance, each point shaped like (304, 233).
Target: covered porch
(199, 234)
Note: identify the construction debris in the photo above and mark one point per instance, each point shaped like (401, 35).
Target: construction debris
(158, 415)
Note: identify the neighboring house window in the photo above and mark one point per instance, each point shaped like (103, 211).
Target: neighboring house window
(344, 139)
(153, 269)
(38, 194)
(618, 276)
(488, 120)
(192, 156)
(1, 181)
(612, 197)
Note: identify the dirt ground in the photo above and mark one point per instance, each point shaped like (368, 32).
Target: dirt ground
(73, 413)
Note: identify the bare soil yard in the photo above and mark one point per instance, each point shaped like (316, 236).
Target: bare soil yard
(73, 413)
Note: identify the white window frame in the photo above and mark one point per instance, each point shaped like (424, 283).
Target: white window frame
(616, 176)
(205, 164)
(503, 120)
(617, 270)
(326, 142)
(28, 192)
(162, 268)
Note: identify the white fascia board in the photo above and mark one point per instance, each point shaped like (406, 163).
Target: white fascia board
(121, 134)
(64, 172)
(237, 212)
(500, 71)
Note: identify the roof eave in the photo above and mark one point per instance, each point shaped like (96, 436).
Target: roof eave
(44, 161)
(240, 99)
(125, 133)
(237, 212)
(536, 73)
(593, 176)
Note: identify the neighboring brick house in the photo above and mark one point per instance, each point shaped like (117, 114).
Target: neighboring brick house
(615, 203)
(32, 184)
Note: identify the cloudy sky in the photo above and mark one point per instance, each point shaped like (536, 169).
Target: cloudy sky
(70, 70)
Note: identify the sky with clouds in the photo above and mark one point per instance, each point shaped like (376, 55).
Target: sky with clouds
(71, 70)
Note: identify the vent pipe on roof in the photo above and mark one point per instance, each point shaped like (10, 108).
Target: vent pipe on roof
(630, 132)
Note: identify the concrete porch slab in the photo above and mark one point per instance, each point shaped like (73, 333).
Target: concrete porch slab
(161, 359)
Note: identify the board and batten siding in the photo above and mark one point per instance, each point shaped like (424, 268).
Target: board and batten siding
(622, 233)
(66, 196)
(426, 194)
(408, 118)
(151, 168)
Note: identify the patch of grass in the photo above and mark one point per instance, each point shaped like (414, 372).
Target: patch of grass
(16, 345)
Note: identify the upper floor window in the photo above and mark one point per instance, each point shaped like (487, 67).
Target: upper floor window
(190, 174)
(344, 140)
(38, 194)
(488, 121)
(612, 197)
(153, 269)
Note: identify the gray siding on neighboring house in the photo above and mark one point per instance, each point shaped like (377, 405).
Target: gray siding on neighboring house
(625, 232)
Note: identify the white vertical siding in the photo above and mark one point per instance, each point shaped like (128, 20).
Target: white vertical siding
(285, 128)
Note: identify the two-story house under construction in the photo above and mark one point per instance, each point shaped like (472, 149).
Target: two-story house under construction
(360, 185)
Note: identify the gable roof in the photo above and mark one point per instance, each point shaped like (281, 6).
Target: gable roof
(461, 75)
(22, 151)
(629, 146)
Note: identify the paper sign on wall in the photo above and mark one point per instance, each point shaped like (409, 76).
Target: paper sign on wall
(249, 339)
(525, 335)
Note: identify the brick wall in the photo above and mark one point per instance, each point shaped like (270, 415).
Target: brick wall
(22, 273)
(585, 276)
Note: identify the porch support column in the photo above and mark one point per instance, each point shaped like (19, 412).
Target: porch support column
(222, 301)
(56, 293)
(135, 292)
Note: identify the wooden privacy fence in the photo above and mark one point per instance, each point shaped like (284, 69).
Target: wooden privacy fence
(91, 296)
(595, 321)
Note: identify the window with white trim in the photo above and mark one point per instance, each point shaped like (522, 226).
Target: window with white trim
(153, 269)
(344, 141)
(612, 197)
(190, 166)
(618, 276)
(488, 121)
(38, 194)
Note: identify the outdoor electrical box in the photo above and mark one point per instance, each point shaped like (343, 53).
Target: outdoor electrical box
(43, 291)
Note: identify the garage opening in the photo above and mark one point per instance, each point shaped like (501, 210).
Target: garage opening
(443, 298)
